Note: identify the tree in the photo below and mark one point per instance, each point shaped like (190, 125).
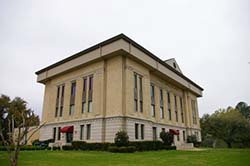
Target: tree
(227, 125)
(121, 138)
(167, 138)
(192, 139)
(4, 108)
(207, 138)
(16, 114)
(205, 125)
(244, 109)
(230, 125)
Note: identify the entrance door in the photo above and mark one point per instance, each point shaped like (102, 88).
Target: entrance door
(69, 137)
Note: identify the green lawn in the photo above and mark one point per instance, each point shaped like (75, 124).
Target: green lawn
(221, 157)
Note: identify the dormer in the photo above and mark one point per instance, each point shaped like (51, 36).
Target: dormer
(172, 62)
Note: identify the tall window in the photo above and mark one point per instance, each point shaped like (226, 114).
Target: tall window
(161, 104)
(178, 136)
(197, 135)
(62, 101)
(72, 98)
(84, 92)
(142, 131)
(194, 112)
(136, 130)
(54, 134)
(152, 94)
(184, 135)
(182, 111)
(154, 133)
(135, 93)
(169, 106)
(81, 132)
(90, 93)
(140, 92)
(59, 133)
(57, 100)
(88, 131)
(175, 108)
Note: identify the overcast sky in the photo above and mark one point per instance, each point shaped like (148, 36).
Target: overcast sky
(209, 39)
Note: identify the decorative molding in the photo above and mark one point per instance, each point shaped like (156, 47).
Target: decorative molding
(120, 118)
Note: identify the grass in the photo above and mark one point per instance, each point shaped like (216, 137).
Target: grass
(211, 157)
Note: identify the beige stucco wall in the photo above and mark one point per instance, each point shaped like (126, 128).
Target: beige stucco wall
(33, 134)
(97, 70)
(159, 83)
(113, 96)
(105, 51)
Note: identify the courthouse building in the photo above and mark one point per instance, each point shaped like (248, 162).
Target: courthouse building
(117, 85)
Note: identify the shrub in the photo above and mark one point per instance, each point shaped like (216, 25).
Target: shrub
(27, 147)
(193, 139)
(122, 149)
(54, 148)
(147, 145)
(24, 147)
(2, 148)
(67, 147)
(96, 146)
(207, 141)
(121, 138)
(167, 138)
(35, 142)
(165, 147)
(78, 144)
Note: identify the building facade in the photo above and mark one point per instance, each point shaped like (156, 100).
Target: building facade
(31, 135)
(117, 85)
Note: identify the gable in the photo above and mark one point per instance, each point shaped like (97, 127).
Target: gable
(172, 62)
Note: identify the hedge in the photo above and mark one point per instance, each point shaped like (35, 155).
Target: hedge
(139, 146)
(77, 145)
(54, 148)
(67, 147)
(169, 147)
(26, 147)
(81, 145)
(122, 149)
(151, 145)
(147, 145)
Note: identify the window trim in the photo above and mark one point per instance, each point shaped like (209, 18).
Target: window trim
(161, 104)
(154, 131)
(88, 135)
(169, 106)
(136, 131)
(59, 133)
(54, 134)
(194, 116)
(176, 108)
(182, 111)
(142, 131)
(81, 132)
(178, 135)
(72, 98)
(152, 96)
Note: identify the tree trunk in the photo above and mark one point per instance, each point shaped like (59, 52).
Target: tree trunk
(229, 145)
(214, 143)
(14, 162)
